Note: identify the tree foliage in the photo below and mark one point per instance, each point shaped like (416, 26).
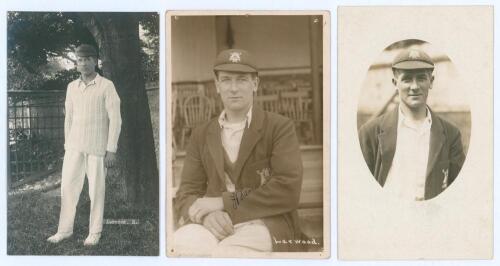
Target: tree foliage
(150, 23)
(33, 38)
(38, 40)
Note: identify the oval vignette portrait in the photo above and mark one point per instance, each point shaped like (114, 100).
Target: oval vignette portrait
(413, 120)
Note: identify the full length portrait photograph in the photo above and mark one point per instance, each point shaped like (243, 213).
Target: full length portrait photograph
(247, 135)
(82, 158)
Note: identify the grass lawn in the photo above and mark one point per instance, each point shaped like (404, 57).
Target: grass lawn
(33, 217)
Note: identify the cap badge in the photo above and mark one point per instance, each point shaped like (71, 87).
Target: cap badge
(235, 57)
(414, 54)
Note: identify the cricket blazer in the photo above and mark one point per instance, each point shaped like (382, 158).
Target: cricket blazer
(267, 174)
(446, 156)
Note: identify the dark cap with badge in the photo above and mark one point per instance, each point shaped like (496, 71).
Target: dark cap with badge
(412, 59)
(235, 60)
(86, 50)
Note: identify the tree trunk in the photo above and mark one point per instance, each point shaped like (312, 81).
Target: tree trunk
(117, 35)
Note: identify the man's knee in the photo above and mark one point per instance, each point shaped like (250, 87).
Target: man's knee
(249, 238)
(194, 239)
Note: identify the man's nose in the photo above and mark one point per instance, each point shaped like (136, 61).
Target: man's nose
(233, 87)
(414, 85)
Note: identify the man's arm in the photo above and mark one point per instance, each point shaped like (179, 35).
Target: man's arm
(112, 104)
(68, 118)
(282, 192)
(457, 156)
(369, 144)
(193, 179)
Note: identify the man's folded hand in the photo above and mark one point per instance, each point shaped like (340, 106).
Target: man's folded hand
(219, 223)
(204, 206)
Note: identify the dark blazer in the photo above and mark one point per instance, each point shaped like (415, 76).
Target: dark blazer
(446, 157)
(268, 174)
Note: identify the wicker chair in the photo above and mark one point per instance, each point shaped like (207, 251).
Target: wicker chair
(196, 109)
(297, 106)
(268, 102)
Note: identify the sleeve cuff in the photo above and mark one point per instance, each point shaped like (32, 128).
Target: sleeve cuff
(184, 215)
(111, 149)
(228, 201)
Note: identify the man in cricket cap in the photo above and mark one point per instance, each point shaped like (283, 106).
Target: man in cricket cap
(92, 127)
(242, 174)
(411, 151)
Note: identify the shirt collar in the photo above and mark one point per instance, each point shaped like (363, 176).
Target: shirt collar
(93, 82)
(223, 121)
(402, 120)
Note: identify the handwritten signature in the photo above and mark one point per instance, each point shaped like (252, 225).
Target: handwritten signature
(238, 196)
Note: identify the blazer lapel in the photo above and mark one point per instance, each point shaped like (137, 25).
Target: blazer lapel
(435, 144)
(250, 137)
(214, 144)
(387, 140)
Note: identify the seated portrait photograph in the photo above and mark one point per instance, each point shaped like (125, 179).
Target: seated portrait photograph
(247, 129)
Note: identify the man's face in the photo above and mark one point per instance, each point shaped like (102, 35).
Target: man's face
(236, 89)
(413, 86)
(86, 64)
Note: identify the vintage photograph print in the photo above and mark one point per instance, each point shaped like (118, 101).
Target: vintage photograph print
(83, 119)
(413, 120)
(248, 99)
(415, 132)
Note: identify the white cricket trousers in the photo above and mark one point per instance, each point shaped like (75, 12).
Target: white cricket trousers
(250, 238)
(75, 166)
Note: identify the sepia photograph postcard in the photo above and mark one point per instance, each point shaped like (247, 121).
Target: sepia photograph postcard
(83, 128)
(415, 132)
(248, 123)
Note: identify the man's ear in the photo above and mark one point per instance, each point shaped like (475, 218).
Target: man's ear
(394, 82)
(432, 82)
(216, 81)
(256, 83)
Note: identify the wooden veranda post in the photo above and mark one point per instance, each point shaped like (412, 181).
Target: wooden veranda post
(316, 46)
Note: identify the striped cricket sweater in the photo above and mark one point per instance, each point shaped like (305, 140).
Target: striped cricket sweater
(93, 122)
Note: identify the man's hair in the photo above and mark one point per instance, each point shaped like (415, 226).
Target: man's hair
(96, 59)
(397, 71)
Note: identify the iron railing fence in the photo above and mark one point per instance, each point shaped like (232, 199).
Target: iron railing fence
(36, 134)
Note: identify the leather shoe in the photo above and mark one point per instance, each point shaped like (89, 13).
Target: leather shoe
(92, 239)
(58, 237)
